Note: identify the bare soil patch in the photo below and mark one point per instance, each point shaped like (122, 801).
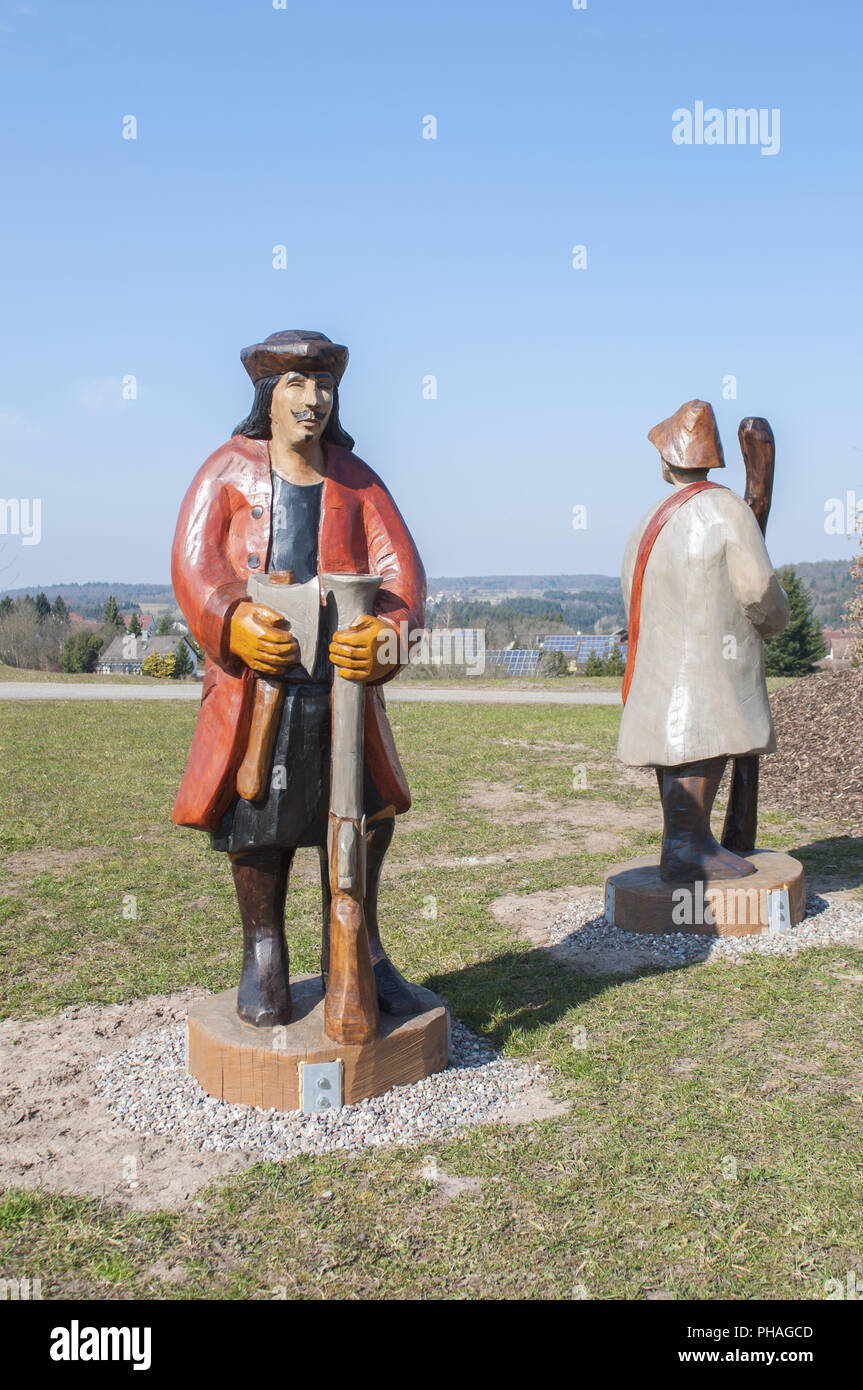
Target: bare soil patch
(530, 914)
(26, 863)
(596, 827)
(57, 1134)
(55, 1130)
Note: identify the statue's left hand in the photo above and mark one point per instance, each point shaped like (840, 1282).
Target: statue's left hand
(355, 652)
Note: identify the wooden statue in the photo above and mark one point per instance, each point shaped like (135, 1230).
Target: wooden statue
(291, 562)
(701, 596)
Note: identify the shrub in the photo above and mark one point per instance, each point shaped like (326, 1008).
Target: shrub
(159, 666)
(553, 663)
(80, 652)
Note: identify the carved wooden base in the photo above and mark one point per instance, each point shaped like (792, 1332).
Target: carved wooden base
(771, 899)
(260, 1066)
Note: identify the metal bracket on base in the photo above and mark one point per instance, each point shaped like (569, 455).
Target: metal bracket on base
(778, 910)
(609, 904)
(322, 1086)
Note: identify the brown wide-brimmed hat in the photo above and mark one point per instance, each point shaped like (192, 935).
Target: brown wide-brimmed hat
(294, 350)
(690, 437)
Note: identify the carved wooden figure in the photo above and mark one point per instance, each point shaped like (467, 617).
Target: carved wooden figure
(277, 518)
(701, 596)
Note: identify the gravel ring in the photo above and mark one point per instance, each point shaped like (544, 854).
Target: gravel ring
(582, 927)
(147, 1087)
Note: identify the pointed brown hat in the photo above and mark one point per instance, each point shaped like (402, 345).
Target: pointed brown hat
(294, 350)
(690, 437)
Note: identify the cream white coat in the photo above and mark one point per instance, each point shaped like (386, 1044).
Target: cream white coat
(709, 597)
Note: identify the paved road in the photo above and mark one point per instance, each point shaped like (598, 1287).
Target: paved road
(455, 695)
(396, 694)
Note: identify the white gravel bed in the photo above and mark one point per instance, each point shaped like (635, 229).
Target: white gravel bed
(147, 1087)
(582, 927)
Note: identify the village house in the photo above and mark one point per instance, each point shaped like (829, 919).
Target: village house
(125, 655)
(839, 642)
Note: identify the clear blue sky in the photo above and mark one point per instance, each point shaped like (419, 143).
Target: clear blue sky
(451, 257)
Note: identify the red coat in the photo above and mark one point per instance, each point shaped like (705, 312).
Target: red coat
(223, 529)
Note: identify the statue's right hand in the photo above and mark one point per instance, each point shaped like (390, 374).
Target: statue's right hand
(260, 638)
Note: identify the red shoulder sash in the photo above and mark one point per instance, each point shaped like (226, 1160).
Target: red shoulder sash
(662, 514)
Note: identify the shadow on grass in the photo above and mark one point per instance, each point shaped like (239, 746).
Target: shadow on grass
(522, 991)
(837, 861)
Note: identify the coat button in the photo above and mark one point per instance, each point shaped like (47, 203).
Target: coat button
(253, 562)
(257, 511)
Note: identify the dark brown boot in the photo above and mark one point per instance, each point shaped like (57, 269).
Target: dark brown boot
(261, 881)
(690, 853)
(741, 819)
(395, 995)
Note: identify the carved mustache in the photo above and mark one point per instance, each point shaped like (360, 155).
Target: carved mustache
(310, 414)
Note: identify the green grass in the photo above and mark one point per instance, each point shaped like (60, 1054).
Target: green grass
(15, 673)
(494, 677)
(711, 1144)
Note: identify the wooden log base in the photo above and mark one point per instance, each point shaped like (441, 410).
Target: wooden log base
(236, 1062)
(636, 899)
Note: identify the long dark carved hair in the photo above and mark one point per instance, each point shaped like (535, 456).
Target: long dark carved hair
(257, 423)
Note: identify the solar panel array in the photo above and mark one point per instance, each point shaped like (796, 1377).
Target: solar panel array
(519, 662)
(580, 647)
(602, 645)
(525, 662)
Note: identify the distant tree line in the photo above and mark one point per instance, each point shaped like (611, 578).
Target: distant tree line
(32, 632)
(524, 620)
(88, 600)
(35, 635)
(831, 584)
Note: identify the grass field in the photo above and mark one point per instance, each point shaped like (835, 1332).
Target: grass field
(15, 673)
(630, 1192)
